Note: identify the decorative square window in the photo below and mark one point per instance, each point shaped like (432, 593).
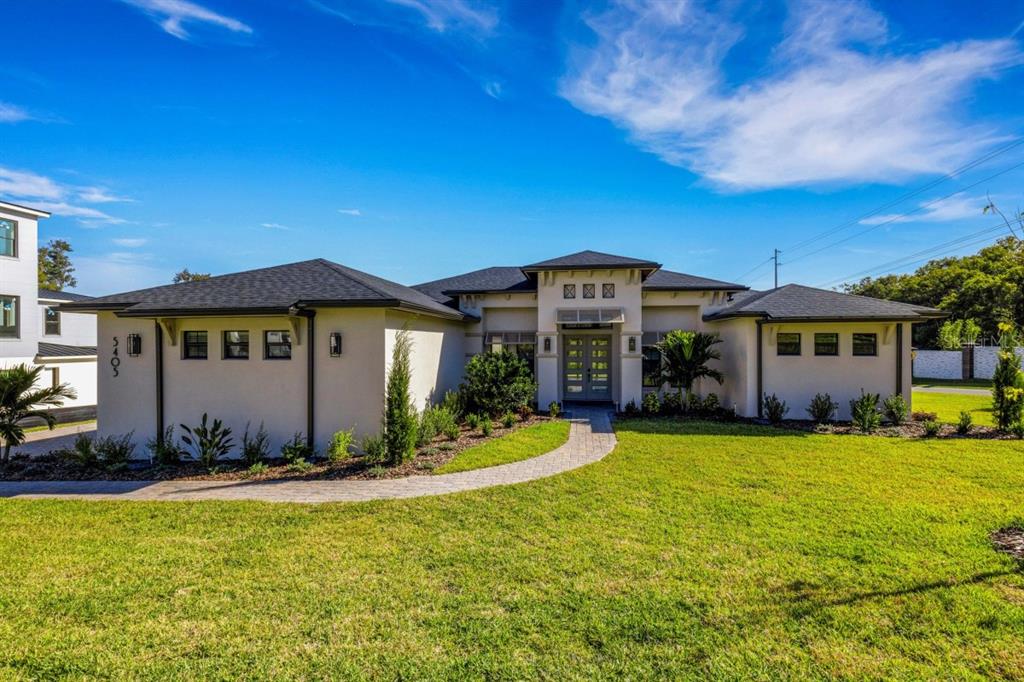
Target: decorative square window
(9, 309)
(8, 238)
(194, 345)
(236, 345)
(277, 345)
(865, 344)
(568, 291)
(787, 344)
(588, 290)
(607, 291)
(826, 344)
(51, 325)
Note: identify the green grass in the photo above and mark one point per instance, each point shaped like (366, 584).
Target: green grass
(948, 406)
(954, 383)
(43, 427)
(693, 551)
(522, 444)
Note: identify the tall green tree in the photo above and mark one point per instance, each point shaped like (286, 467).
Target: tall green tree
(187, 276)
(400, 422)
(55, 267)
(21, 399)
(685, 358)
(987, 286)
(1007, 380)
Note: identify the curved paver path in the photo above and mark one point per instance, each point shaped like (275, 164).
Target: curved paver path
(590, 439)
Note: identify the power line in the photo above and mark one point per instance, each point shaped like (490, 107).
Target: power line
(755, 268)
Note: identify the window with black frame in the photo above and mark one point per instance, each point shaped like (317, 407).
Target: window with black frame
(236, 345)
(51, 325)
(787, 343)
(194, 345)
(277, 345)
(865, 344)
(826, 343)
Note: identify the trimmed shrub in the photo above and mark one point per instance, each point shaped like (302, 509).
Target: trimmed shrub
(822, 409)
(864, 412)
(341, 444)
(650, 404)
(497, 382)
(400, 420)
(631, 410)
(451, 431)
(209, 442)
(255, 448)
(931, 428)
(964, 424)
(435, 421)
(257, 469)
(923, 416)
(295, 449)
(165, 450)
(896, 409)
(775, 410)
(554, 409)
(508, 420)
(473, 419)
(486, 427)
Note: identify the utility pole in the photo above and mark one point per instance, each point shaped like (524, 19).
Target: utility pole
(775, 257)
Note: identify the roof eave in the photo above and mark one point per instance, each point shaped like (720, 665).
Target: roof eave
(650, 265)
(464, 292)
(719, 287)
(713, 317)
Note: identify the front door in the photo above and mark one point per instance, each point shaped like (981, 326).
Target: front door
(587, 370)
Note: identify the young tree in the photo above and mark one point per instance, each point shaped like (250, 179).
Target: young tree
(685, 356)
(20, 399)
(186, 276)
(55, 268)
(1007, 381)
(400, 422)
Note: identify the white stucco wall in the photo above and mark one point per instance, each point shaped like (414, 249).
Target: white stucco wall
(939, 364)
(739, 365)
(19, 277)
(437, 359)
(76, 329)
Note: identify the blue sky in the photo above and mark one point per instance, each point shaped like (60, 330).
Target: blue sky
(421, 138)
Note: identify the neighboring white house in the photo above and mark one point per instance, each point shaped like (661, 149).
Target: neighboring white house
(32, 330)
(305, 347)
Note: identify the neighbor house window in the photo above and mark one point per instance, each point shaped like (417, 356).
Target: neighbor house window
(236, 345)
(588, 290)
(568, 291)
(51, 327)
(523, 344)
(607, 291)
(277, 345)
(826, 344)
(9, 308)
(865, 344)
(8, 238)
(787, 344)
(194, 346)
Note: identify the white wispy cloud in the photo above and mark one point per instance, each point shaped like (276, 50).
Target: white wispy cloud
(945, 210)
(100, 195)
(49, 195)
(130, 242)
(172, 15)
(117, 271)
(837, 101)
(350, 211)
(443, 16)
(10, 113)
(275, 226)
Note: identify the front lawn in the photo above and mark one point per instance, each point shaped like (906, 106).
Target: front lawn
(693, 551)
(518, 445)
(948, 406)
(953, 383)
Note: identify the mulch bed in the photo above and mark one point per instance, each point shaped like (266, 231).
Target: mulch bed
(1009, 540)
(51, 467)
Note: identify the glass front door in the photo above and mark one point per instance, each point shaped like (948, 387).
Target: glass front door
(587, 369)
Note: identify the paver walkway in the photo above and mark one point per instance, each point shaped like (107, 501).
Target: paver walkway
(590, 439)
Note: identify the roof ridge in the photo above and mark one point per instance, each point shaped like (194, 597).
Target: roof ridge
(340, 269)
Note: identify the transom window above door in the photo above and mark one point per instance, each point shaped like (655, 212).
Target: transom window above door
(568, 291)
(588, 291)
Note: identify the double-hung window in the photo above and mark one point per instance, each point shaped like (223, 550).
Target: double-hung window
(826, 343)
(277, 345)
(8, 238)
(9, 310)
(787, 344)
(51, 325)
(194, 346)
(236, 345)
(865, 344)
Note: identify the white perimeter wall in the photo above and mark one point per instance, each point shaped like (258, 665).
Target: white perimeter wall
(948, 364)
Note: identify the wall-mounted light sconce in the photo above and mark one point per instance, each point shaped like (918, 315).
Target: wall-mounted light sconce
(335, 344)
(134, 345)
(632, 344)
(547, 344)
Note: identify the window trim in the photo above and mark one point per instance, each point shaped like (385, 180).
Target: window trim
(185, 344)
(568, 291)
(826, 355)
(46, 322)
(224, 343)
(17, 318)
(14, 240)
(874, 345)
(799, 344)
(267, 344)
(608, 287)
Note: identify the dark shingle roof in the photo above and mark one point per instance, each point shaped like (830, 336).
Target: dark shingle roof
(59, 350)
(53, 295)
(667, 280)
(487, 280)
(591, 259)
(311, 283)
(796, 302)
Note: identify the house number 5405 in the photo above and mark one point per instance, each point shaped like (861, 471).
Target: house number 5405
(115, 361)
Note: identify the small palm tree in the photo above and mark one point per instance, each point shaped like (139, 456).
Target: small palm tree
(685, 356)
(20, 399)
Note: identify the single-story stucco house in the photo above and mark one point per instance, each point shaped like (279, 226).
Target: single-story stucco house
(305, 347)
